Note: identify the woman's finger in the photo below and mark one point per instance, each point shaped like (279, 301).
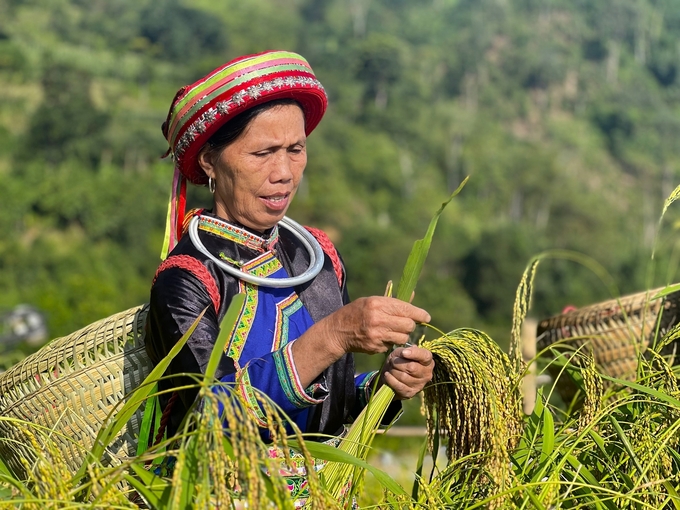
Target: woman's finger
(401, 389)
(397, 308)
(415, 353)
(410, 368)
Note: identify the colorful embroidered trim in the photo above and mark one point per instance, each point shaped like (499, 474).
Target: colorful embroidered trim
(329, 249)
(364, 386)
(264, 265)
(196, 268)
(248, 393)
(289, 379)
(241, 330)
(284, 309)
(238, 235)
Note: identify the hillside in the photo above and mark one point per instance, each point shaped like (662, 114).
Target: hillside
(563, 112)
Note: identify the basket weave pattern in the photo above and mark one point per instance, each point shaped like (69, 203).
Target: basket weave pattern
(615, 330)
(71, 386)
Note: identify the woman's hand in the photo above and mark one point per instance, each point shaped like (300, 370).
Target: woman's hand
(373, 325)
(408, 370)
(370, 325)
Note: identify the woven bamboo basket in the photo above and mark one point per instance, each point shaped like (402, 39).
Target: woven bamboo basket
(614, 331)
(71, 386)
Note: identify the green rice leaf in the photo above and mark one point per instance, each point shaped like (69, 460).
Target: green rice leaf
(670, 289)
(419, 470)
(5, 494)
(155, 490)
(435, 443)
(626, 444)
(16, 483)
(228, 448)
(581, 471)
(145, 429)
(416, 259)
(226, 326)
(189, 474)
(4, 469)
(332, 454)
(548, 434)
(534, 500)
(664, 397)
(674, 497)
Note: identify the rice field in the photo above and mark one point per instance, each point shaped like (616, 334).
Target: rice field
(615, 444)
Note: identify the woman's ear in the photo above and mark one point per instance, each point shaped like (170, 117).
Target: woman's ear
(205, 161)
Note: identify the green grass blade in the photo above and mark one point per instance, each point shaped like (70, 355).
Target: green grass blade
(548, 435)
(416, 259)
(584, 473)
(4, 469)
(670, 289)
(674, 497)
(145, 429)
(332, 454)
(228, 448)
(599, 441)
(435, 442)
(663, 397)
(10, 480)
(419, 470)
(189, 474)
(152, 488)
(123, 416)
(226, 326)
(5, 494)
(537, 504)
(149, 497)
(626, 444)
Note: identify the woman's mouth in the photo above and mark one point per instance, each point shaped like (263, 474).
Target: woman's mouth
(277, 202)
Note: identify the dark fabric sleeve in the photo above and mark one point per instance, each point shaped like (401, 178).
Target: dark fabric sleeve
(177, 299)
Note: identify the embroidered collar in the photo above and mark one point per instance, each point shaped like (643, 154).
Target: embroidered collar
(238, 235)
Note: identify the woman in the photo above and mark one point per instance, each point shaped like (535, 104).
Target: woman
(242, 130)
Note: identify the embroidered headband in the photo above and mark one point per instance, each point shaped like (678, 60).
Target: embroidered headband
(200, 109)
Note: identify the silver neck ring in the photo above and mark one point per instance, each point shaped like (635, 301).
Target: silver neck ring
(316, 257)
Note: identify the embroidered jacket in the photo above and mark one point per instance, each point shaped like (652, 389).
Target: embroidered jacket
(258, 352)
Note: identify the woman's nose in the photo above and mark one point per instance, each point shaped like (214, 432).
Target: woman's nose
(282, 170)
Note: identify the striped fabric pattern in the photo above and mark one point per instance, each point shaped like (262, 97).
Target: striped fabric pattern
(201, 108)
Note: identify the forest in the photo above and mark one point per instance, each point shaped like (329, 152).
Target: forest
(564, 113)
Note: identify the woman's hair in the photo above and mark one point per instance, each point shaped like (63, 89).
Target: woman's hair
(230, 131)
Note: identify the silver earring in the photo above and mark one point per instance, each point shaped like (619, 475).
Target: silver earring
(211, 185)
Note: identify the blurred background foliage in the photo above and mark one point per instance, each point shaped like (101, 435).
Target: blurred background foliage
(565, 113)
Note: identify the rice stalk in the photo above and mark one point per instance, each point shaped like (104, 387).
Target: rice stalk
(593, 389)
(473, 400)
(341, 478)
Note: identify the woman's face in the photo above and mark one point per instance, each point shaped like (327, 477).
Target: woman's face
(257, 175)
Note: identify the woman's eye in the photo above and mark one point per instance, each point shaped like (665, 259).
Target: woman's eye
(296, 149)
(262, 154)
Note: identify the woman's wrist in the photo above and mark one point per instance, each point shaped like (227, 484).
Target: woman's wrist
(332, 340)
(316, 350)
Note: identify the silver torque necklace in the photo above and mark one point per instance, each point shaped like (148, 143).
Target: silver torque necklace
(316, 257)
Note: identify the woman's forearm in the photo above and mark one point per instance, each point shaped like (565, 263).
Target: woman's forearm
(369, 325)
(314, 352)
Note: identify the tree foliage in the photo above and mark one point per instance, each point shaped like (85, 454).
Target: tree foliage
(564, 114)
